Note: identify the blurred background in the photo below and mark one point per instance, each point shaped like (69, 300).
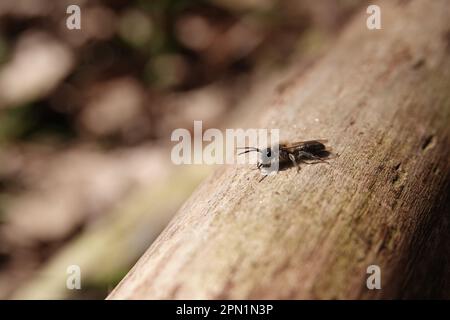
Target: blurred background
(86, 117)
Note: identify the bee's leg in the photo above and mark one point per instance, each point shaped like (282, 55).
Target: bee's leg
(263, 177)
(292, 158)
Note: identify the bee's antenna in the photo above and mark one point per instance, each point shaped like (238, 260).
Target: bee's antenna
(248, 149)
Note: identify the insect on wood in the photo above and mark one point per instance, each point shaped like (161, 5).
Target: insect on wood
(286, 154)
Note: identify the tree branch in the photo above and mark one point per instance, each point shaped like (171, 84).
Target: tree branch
(381, 98)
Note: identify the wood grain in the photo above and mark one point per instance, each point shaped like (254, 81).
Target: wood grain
(382, 99)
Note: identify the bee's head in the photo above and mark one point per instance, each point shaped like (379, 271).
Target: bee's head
(266, 156)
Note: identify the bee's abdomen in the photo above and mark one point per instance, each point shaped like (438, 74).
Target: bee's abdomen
(313, 146)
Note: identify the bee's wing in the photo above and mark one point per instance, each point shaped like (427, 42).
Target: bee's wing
(302, 143)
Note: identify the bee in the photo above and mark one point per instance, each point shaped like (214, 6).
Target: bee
(286, 154)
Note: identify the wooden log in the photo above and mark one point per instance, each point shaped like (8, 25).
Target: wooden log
(382, 99)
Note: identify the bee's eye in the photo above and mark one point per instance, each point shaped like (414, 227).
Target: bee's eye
(269, 152)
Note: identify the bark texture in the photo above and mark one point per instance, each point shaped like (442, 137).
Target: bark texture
(382, 99)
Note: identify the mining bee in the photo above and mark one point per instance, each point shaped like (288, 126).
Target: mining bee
(285, 154)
